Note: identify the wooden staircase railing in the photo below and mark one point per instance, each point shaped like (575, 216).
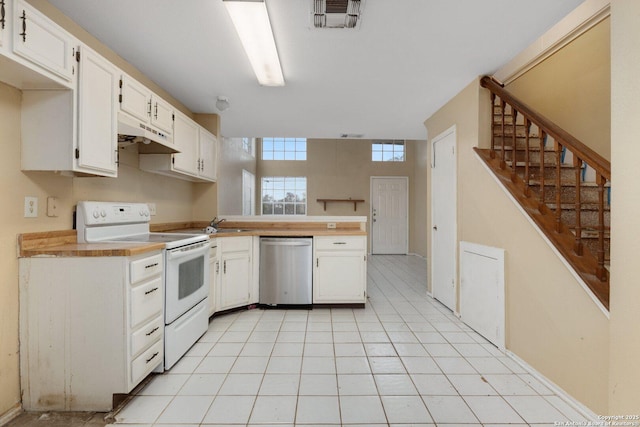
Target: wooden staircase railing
(564, 186)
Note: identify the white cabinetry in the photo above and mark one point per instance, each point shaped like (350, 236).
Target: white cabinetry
(339, 272)
(90, 327)
(197, 160)
(38, 39)
(140, 102)
(61, 133)
(235, 272)
(214, 276)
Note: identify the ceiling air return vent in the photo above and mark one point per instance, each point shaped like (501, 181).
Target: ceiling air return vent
(336, 13)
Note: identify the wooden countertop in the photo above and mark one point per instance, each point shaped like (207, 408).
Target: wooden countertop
(64, 244)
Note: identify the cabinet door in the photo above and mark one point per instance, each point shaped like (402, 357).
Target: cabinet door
(135, 99)
(185, 138)
(208, 155)
(339, 277)
(42, 42)
(97, 114)
(235, 280)
(162, 115)
(214, 284)
(3, 23)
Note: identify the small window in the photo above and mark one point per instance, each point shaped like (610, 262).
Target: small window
(284, 148)
(390, 150)
(247, 146)
(284, 195)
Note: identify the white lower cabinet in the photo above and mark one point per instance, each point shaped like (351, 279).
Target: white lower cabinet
(90, 327)
(339, 269)
(235, 272)
(214, 276)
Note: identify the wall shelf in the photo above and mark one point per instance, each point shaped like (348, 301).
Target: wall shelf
(354, 201)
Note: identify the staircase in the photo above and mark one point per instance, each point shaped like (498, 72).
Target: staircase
(562, 184)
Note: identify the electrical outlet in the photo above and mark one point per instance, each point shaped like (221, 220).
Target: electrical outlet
(30, 207)
(331, 225)
(52, 206)
(152, 208)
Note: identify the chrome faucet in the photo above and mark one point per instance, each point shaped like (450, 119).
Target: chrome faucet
(215, 222)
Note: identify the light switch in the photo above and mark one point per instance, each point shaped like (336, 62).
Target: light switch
(30, 207)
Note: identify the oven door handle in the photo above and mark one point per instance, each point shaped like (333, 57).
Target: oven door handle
(188, 251)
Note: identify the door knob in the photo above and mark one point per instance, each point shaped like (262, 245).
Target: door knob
(435, 227)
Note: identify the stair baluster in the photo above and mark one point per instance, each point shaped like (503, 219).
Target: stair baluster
(527, 160)
(502, 151)
(601, 272)
(558, 151)
(577, 163)
(542, 192)
(514, 157)
(492, 153)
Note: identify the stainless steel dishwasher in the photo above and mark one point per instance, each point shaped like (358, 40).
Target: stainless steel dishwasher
(286, 270)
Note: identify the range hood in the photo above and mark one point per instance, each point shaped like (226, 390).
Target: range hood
(149, 139)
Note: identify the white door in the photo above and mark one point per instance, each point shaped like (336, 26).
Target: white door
(248, 193)
(443, 218)
(389, 215)
(482, 291)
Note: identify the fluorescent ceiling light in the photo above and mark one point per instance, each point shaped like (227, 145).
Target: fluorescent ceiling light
(252, 24)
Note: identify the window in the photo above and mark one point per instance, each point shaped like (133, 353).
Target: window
(390, 150)
(284, 148)
(247, 146)
(284, 195)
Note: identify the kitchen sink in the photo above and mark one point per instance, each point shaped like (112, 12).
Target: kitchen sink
(232, 230)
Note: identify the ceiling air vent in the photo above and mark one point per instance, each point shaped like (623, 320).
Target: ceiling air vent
(336, 13)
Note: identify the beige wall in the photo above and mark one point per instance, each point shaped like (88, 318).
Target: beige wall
(551, 321)
(573, 88)
(339, 169)
(418, 235)
(233, 159)
(624, 382)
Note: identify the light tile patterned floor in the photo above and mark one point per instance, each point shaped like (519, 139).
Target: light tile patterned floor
(403, 360)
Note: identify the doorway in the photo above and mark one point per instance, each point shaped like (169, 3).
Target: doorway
(389, 215)
(443, 218)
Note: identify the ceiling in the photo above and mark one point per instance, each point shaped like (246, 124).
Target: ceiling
(382, 80)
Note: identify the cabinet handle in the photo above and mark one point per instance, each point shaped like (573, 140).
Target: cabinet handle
(3, 13)
(149, 112)
(317, 262)
(153, 357)
(151, 290)
(339, 243)
(151, 265)
(218, 267)
(24, 26)
(156, 113)
(152, 331)
(224, 267)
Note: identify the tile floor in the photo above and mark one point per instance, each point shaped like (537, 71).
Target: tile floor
(402, 360)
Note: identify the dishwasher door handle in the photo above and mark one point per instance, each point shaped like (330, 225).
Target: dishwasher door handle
(284, 243)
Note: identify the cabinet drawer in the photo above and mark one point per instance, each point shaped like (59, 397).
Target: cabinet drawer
(146, 301)
(145, 268)
(340, 243)
(235, 244)
(147, 334)
(142, 365)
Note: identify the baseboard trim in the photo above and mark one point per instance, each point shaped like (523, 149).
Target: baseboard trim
(568, 399)
(10, 414)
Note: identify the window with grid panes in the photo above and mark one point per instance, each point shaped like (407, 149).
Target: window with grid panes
(284, 148)
(284, 195)
(392, 150)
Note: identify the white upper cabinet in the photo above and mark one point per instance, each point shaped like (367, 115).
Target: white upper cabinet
(39, 40)
(144, 105)
(3, 24)
(74, 131)
(97, 114)
(208, 155)
(186, 140)
(197, 159)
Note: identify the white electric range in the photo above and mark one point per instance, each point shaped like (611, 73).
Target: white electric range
(186, 267)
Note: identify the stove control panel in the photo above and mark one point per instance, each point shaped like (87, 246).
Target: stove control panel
(111, 213)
